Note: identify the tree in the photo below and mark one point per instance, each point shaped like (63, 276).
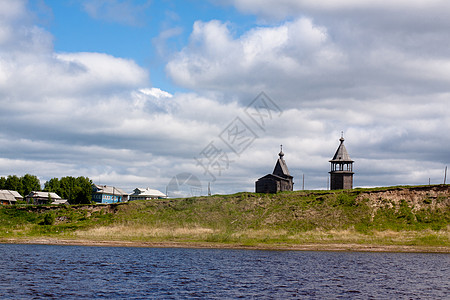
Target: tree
(2, 183)
(75, 190)
(67, 188)
(30, 183)
(53, 185)
(84, 191)
(14, 183)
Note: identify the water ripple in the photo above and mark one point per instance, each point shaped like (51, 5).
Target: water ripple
(71, 272)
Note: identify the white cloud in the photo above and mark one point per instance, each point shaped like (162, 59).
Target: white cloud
(303, 61)
(156, 92)
(12, 10)
(261, 59)
(95, 71)
(286, 8)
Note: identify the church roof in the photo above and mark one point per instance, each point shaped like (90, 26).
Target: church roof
(281, 168)
(275, 177)
(341, 154)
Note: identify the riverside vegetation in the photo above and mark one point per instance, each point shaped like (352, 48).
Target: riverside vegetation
(411, 216)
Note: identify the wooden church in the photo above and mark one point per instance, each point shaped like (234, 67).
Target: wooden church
(280, 180)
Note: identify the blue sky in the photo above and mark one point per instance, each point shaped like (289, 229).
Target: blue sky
(134, 93)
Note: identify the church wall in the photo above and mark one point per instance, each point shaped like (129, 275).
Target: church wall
(266, 185)
(286, 186)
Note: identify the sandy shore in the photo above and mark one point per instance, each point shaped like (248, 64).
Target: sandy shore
(295, 247)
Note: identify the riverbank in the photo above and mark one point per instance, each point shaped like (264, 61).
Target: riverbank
(202, 245)
(395, 219)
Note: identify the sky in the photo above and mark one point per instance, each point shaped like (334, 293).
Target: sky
(178, 95)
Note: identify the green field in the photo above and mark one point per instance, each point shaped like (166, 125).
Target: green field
(412, 216)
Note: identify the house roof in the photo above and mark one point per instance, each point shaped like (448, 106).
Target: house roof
(147, 192)
(15, 194)
(7, 195)
(54, 196)
(341, 154)
(110, 190)
(60, 201)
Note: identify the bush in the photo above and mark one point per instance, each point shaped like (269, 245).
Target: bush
(346, 200)
(49, 219)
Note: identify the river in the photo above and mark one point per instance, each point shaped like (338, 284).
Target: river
(77, 272)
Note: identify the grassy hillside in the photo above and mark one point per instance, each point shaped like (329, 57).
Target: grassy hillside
(384, 216)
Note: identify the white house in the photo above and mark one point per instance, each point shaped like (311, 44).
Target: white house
(42, 198)
(146, 194)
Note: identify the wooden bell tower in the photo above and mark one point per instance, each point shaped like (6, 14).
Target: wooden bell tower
(341, 174)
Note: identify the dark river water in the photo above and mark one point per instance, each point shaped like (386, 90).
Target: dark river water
(73, 272)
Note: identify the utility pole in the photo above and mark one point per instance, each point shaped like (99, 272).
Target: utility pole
(445, 174)
(303, 185)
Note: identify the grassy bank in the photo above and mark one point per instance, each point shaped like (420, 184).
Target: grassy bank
(387, 216)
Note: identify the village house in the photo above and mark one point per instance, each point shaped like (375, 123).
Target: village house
(8, 197)
(280, 180)
(108, 194)
(146, 194)
(39, 198)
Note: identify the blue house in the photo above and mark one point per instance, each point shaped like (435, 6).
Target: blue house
(108, 194)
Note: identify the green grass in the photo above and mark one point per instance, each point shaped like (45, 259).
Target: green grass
(244, 218)
(35, 221)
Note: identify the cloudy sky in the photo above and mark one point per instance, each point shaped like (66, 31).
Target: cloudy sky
(135, 93)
